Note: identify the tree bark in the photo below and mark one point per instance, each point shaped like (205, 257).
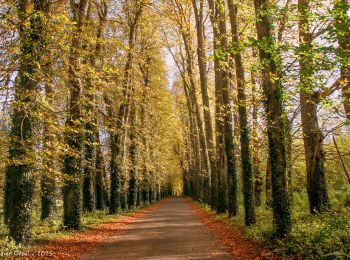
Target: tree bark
(223, 113)
(273, 93)
(312, 135)
(48, 180)
(74, 136)
(268, 184)
(100, 172)
(185, 29)
(202, 65)
(133, 151)
(258, 183)
(248, 187)
(19, 186)
(117, 138)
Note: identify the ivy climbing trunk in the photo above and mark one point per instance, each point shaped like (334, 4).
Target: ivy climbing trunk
(133, 182)
(19, 185)
(48, 179)
(312, 135)
(90, 115)
(248, 187)
(188, 64)
(145, 71)
(229, 168)
(96, 61)
(226, 165)
(258, 182)
(119, 135)
(100, 172)
(273, 94)
(89, 149)
(74, 134)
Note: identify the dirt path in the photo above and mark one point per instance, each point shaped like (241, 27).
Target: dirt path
(171, 231)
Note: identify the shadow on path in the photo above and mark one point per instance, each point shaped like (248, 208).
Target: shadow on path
(169, 232)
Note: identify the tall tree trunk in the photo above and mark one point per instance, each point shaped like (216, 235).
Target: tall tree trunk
(189, 67)
(228, 142)
(218, 102)
(101, 190)
(100, 172)
(91, 126)
(89, 171)
(312, 135)
(258, 184)
(289, 158)
(342, 24)
(89, 148)
(268, 184)
(194, 101)
(273, 92)
(117, 138)
(114, 198)
(193, 136)
(133, 182)
(144, 68)
(74, 135)
(202, 65)
(248, 188)
(19, 186)
(223, 114)
(48, 180)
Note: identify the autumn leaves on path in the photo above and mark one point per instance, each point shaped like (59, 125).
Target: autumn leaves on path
(172, 229)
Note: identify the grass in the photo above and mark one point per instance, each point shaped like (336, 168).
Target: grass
(320, 236)
(44, 231)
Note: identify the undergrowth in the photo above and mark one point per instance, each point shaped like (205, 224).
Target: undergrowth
(52, 228)
(318, 236)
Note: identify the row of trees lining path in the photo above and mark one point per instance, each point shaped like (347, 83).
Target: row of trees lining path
(94, 120)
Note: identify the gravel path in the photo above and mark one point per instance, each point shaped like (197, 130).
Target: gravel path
(172, 231)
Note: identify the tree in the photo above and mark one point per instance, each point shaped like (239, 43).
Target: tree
(312, 135)
(49, 178)
(117, 137)
(100, 185)
(248, 188)
(188, 61)
(223, 114)
(73, 135)
(202, 65)
(273, 93)
(20, 171)
(256, 140)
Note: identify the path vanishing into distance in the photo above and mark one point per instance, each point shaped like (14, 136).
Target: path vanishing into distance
(171, 231)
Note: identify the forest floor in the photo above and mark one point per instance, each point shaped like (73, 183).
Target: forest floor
(175, 228)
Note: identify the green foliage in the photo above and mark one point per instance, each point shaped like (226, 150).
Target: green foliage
(323, 236)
